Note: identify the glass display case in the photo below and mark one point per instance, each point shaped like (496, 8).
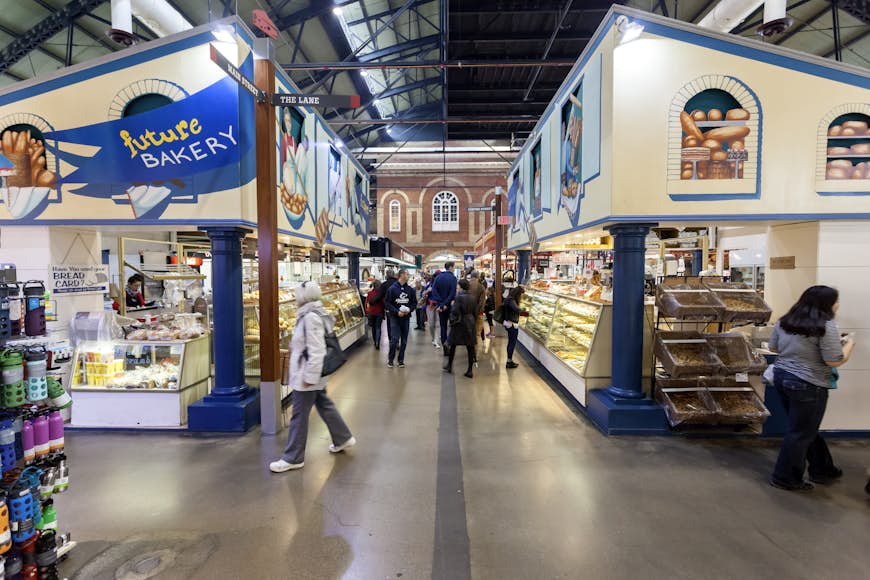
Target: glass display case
(342, 301)
(138, 383)
(572, 338)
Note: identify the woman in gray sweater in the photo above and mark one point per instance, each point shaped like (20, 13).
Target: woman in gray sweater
(810, 347)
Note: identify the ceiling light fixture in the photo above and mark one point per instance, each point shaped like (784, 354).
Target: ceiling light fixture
(339, 143)
(337, 10)
(364, 73)
(626, 30)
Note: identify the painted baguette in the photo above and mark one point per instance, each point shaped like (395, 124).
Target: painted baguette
(689, 126)
(737, 115)
(727, 134)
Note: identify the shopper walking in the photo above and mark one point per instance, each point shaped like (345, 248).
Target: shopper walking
(432, 309)
(389, 280)
(462, 327)
(307, 352)
(375, 312)
(443, 293)
(810, 349)
(400, 302)
(489, 308)
(512, 311)
(420, 308)
(478, 292)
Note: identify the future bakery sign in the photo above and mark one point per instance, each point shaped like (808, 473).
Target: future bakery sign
(145, 161)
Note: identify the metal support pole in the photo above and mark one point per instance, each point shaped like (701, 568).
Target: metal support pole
(499, 243)
(835, 16)
(69, 45)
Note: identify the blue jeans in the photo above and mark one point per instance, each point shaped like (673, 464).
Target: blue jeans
(513, 336)
(400, 327)
(375, 321)
(805, 404)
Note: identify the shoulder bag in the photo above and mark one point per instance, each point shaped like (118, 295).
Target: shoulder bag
(334, 357)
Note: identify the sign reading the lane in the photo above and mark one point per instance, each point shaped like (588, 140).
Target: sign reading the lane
(235, 74)
(328, 101)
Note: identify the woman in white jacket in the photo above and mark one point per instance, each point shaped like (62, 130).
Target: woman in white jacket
(307, 351)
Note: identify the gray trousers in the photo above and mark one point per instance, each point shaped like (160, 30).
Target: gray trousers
(297, 435)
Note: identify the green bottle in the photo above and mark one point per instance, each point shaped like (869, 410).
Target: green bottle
(58, 396)
(49, 516)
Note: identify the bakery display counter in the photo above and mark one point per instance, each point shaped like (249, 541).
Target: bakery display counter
(572, 338)
(342, 301)
(138, 383)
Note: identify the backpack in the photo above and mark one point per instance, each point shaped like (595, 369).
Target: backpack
(498, 314)
(334, 357)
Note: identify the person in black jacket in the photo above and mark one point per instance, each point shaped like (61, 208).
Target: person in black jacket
(512, 313)
(463, 321)
(381, 296)
(400, 303)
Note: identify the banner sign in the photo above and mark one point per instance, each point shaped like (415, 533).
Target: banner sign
(78, 279)
(236, 74)
(194, 135)
(329, 101)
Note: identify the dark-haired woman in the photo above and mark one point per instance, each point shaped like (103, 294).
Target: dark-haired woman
(512, 312)
(810, 347)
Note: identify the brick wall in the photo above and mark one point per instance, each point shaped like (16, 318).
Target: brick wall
(416, 210)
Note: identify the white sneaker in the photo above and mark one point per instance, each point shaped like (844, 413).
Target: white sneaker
(435, 344)
(346, 445)
(281, 466)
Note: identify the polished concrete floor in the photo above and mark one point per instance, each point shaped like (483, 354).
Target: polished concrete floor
(491, 478)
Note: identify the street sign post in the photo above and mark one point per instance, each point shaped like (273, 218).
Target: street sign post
(327, 101)
(475, 208)
(235, 74)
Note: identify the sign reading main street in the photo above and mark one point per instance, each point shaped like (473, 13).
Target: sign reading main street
(234, 73)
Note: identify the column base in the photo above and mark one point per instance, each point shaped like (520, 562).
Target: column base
(615, 416)
(222, 414)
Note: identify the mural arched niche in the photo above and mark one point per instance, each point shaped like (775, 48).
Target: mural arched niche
(843, 159)
(28, 169)
(714, 144)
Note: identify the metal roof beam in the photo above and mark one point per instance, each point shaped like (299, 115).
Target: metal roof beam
(395, 49)
(41, 49)
(795, 29)
(756, 22)
(555, 7)
(315, 9)
(508, 37)
(105, 43)
(44, 30)
(850, 42)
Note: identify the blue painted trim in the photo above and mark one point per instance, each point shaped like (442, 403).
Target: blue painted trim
(782, 61)
(843, 193)
(561, 94)
(712, 196)
(117, 64)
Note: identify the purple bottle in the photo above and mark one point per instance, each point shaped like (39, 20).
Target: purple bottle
(40, 435)
(55, 431)
(27, 443)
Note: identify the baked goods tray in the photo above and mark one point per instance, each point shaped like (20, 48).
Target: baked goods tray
(738, 405)
(741, 302)
(687, 301)
(687, 406)
(736, 353)
(686, 353)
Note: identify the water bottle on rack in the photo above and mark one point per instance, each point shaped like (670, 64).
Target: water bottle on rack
(27, 441)
(5, 321)
(35, 366)
(7, 445)
(41, 437)
(15, 310)
(34, 306)
(12, 367)
(57, 395)
(55, 431)
(5, 532)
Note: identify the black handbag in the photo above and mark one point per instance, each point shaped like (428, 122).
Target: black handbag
(334, 357)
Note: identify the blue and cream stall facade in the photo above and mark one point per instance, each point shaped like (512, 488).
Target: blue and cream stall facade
(666, 124)
(159, 138)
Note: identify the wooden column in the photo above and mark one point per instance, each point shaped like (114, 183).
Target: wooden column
(267, 246)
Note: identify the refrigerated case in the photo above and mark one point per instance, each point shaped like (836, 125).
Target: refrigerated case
(572, 338)
(137, 383)
(341, 300)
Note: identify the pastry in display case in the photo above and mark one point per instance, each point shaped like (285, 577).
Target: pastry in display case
(140, 365)
(541, 307)
(573, 329)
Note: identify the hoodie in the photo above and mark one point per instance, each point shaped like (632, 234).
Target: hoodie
(312, 323)
(400, 295)
(444, 289)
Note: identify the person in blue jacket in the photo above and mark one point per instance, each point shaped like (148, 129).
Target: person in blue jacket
(400, 303)
(443, 293)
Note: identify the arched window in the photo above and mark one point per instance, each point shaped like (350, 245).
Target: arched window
(395, 216)
(445, 212)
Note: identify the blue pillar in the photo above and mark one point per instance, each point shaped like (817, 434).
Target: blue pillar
(232, 405)
(524, 264)
(353, 267)
(622, 408)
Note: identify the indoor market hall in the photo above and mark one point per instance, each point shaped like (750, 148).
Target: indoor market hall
(434, 289)
(451, 478)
